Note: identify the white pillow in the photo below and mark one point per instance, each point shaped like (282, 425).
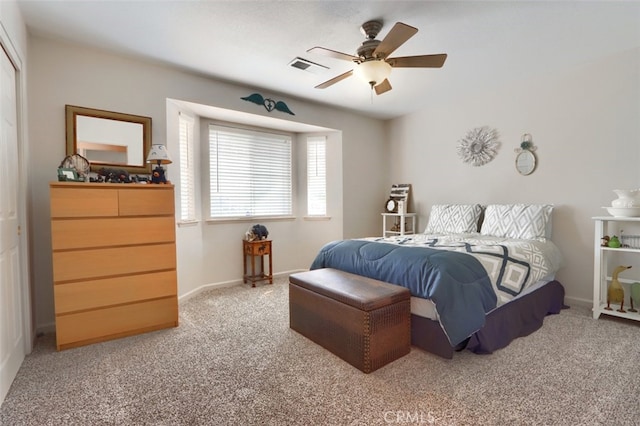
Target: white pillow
(453, 218)
(522, 221)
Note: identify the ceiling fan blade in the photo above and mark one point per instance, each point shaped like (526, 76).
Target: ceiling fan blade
(396, 37)
(422, 61)
(385, 86)
(333, 53)
(334, 80)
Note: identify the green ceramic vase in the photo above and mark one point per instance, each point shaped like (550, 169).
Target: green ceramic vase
(635, 294)
(614, 242)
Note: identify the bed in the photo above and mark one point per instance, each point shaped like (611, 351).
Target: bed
(479, 276)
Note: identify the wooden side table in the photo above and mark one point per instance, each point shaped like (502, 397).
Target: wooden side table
(253, 249)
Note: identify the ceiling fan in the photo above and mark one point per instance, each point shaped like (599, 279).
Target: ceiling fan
(373, 64)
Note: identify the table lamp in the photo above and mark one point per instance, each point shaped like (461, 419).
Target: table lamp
(158, 154)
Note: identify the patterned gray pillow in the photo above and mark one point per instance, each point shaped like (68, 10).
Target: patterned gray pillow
(522, 221)
(453, 218)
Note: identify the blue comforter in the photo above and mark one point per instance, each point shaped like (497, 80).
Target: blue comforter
(456, 282)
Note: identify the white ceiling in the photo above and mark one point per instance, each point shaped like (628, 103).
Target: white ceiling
(253, 42)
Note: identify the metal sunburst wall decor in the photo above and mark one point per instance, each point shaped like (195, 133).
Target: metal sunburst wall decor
(479, 146)
(269, 104)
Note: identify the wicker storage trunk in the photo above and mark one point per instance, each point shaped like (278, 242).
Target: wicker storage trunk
(363, 321)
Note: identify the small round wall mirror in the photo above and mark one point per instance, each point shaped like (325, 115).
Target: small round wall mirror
(526, 159)
(526, 162)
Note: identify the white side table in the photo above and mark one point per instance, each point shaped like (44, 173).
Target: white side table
(403, 231)
(603, 260)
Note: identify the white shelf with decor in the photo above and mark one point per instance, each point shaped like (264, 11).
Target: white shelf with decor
(400, 225)
(396, 207)
(604, 257)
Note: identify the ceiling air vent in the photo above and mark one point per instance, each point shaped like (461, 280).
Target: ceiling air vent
(306, 65)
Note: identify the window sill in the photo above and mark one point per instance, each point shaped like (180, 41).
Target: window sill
(186, 224)
(248, 219)
(316, 218)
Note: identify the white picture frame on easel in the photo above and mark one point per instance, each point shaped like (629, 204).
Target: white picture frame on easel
(398, 200)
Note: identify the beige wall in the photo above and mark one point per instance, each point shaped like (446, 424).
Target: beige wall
(585, 124)
(62, 74)
(13, 27)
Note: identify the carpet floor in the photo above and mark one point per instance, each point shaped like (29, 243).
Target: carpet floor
(234, 361)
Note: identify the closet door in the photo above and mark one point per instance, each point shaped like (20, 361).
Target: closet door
(11, 317)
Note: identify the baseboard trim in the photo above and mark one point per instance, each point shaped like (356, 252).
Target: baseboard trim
(223, 284)
(577, 301)
(47, 328)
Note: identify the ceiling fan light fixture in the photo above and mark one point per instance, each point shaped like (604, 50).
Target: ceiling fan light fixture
(373, 62)
(373, 72)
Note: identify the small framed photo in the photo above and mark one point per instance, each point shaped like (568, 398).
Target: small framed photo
(65, 174)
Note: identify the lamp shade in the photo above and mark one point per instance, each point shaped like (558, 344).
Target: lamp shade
(373, 72)
(158, 154)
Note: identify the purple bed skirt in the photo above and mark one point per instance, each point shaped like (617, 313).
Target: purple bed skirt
(518, 318)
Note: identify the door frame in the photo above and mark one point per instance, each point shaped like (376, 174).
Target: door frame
(23, 179)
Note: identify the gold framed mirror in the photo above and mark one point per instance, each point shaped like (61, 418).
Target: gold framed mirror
(109, 139)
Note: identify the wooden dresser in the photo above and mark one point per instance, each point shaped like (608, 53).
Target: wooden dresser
(114, 260)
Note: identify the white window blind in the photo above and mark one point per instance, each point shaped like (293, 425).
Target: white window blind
(317, 176)
(249, 173)
(187, 170)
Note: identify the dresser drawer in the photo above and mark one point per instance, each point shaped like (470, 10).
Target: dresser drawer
(85, 295)
(148, 200)
(83, 202)
(105, 232)
(107, 262)
(118, 321)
